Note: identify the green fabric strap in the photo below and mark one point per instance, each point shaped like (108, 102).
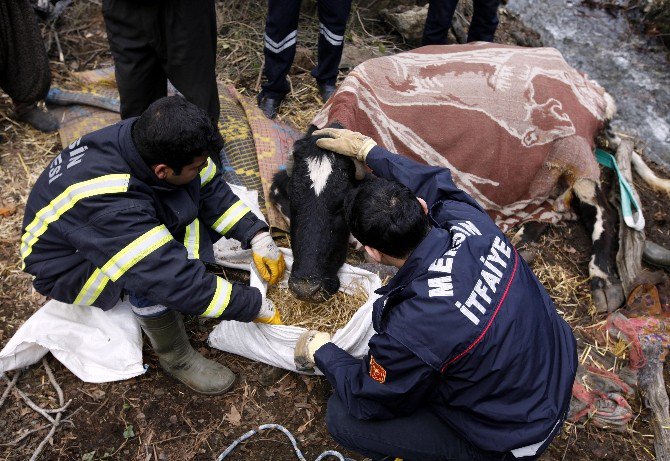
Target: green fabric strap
(634, 220)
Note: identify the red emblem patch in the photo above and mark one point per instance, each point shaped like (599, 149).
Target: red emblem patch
(377, 371)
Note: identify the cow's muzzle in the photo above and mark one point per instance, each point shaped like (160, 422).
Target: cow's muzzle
(314, 290)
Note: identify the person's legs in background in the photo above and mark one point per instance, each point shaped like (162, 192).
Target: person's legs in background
(438, 21)
(279, 43)
(484, 21)
(189, 52)
(139, 74)
(24, 65)
(333, 16)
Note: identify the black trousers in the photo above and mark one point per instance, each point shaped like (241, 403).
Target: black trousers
(281, 32)
(440, 12)
(24, 65)
(153, 41)
(419, 436)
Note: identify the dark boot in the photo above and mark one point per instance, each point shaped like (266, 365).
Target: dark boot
(326, 90)
(169, 340)
(35, 117)
(269, 104)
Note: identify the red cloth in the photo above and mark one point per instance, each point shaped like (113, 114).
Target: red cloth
(510, 122)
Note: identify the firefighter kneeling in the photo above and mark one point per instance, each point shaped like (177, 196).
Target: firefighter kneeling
(132, 210)
(470, 360)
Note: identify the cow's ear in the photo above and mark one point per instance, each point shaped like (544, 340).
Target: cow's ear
(311, 129)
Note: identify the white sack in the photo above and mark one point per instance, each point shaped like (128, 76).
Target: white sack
(97, 346)
(274, 344)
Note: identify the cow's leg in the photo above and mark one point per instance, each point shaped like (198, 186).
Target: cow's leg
(529, 233)
(600, 220)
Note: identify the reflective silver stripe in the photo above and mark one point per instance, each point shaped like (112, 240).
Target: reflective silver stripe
(333, 39)
(108, 184)
(207, 174)
(228, 219)
(220, 299)
(121, 262)
(287, 42)
(192, 239)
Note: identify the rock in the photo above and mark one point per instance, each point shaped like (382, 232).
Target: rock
(304, 60)
(408, 21)
(354, 55)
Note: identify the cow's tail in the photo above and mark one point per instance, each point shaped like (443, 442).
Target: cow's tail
(656, 183)
(610, 106)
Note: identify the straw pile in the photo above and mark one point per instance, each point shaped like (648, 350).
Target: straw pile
(327, 316)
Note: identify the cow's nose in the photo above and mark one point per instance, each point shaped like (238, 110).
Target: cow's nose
(312, 290)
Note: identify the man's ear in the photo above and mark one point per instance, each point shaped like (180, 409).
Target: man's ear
(161, 170)
(375, 254)
(423, 204)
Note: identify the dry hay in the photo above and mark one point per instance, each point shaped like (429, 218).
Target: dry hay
(328, 316)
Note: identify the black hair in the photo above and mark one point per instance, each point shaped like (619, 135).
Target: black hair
(173, 131)
(386, 216)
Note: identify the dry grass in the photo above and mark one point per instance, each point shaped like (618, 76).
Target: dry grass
(328, 316)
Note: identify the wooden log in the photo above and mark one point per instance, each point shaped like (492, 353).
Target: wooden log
(652, 386)
(631, 242)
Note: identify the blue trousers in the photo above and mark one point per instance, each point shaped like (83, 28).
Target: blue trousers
(440, 12)
(281, 31)
(419, 436)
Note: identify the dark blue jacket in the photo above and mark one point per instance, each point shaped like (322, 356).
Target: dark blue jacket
(464, 327)
(99, 222)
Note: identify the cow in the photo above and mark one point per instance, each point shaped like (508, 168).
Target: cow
(516, 127)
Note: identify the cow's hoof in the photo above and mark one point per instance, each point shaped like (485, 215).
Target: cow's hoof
(608, 298)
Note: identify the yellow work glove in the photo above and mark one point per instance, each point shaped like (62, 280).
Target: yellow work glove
(308, 343)
(346, 142)
(268, 258)
(268, 313)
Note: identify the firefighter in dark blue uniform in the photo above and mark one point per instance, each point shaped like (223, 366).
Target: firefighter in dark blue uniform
(133, 209)
(281, 34)
(470, 359)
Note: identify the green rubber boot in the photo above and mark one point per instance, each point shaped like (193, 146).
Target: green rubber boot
(178, 358)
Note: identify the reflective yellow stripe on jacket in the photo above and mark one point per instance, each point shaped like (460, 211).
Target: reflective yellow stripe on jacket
(108, 184)
(192, 239)
(228, 219)
(220, 299)
(121, 262)
(207, 173)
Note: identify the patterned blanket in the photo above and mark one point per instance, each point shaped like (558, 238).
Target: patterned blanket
(511, 123)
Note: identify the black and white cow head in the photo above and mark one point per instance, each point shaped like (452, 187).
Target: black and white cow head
(317, 188)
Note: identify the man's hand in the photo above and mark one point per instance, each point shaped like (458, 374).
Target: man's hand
(346, 142)
(308, 343)
(268, 313)
(268, 258)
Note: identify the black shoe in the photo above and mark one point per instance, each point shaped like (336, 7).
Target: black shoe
(269, 105)
(36, 117)
(326, 90)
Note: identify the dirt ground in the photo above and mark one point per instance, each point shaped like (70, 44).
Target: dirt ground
(152, 417)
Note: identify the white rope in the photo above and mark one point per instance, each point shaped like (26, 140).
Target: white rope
(288, 434)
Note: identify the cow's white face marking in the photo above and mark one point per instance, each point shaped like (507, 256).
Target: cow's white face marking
(319, 172)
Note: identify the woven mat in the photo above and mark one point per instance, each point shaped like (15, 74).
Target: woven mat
(254, 146)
